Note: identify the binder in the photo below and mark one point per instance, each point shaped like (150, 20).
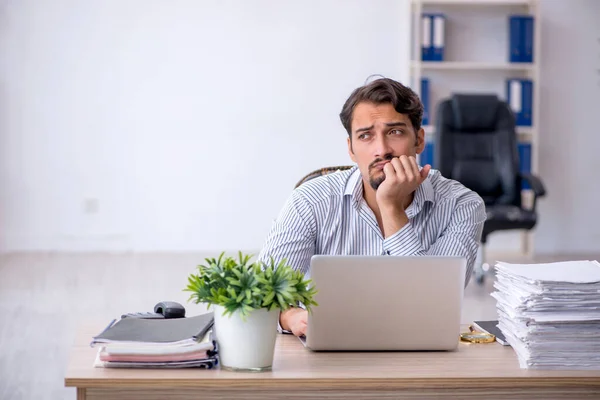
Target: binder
(527, 27)
(427, 154)
(519, 95)
(515, 50)
(425, 100)
(525, 162)
(521, 38)
(439, 36)
(426, 33)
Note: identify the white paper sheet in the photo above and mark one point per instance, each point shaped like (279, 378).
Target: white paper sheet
(550, 313)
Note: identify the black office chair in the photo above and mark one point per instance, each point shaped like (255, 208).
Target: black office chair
(476, 144)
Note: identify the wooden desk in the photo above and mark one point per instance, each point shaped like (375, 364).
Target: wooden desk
(481, 371)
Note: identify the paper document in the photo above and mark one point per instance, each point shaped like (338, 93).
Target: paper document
(565, 271)
(550, 313)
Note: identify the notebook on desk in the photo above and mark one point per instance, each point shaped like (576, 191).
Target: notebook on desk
(156, 331)
(386, 303)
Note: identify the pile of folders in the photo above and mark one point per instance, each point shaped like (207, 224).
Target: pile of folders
(157, 343)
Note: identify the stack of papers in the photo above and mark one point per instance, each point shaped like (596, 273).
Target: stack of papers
(550, 313)
(157, 343)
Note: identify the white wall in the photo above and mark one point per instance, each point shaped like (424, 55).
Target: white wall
(147, 125)
(569, 158)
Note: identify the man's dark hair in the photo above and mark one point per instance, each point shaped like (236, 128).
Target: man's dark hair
(382, 91)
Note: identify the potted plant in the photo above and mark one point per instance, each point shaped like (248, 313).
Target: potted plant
(247, 299)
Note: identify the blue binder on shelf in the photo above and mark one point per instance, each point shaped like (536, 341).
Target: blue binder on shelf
(525, 161)
(439, 36)
(527, 22)
(425, 100)
(520, 38)
(519, 95)
(433, 36)
(427, 154)
(426, 37)
(514, 39)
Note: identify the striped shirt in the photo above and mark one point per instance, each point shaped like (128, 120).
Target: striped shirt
(328, 215)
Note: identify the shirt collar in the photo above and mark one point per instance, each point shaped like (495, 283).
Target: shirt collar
(423, 193)
(354, 185)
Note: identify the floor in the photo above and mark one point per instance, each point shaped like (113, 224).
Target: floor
(43, 296)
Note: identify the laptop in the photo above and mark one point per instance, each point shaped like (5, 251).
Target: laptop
(385, 303)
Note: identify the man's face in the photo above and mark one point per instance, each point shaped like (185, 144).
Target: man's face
(380, 133)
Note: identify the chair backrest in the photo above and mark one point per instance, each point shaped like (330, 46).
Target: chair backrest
(476, 144)
(321, 172)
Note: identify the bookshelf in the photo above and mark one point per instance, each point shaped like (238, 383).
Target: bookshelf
(476, 59)
(470, 66)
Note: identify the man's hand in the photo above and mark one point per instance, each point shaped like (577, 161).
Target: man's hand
(295, 320)
(402, 177)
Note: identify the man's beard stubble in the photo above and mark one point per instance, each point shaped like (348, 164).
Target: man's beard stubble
(373, 181)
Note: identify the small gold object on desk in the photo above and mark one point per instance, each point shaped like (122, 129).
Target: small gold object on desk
(477, 337)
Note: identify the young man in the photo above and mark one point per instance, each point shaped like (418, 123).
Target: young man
(387, 205)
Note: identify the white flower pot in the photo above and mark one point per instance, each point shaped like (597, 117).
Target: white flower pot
(246, 345)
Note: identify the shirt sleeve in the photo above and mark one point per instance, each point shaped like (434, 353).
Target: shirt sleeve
(292, 237)
(461, 237)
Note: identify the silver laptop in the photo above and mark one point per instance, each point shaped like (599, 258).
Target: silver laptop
(386, 303)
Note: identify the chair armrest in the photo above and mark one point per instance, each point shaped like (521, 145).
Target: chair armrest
(535, 183)
(536, 186)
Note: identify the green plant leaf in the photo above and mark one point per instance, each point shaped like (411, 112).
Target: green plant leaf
(242, 286)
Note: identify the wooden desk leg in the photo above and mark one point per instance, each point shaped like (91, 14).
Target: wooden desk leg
(81, 393)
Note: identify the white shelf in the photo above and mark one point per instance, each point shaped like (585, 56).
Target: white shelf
(472, 28)
(475, 2)
(471, 66)
(524, 133)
